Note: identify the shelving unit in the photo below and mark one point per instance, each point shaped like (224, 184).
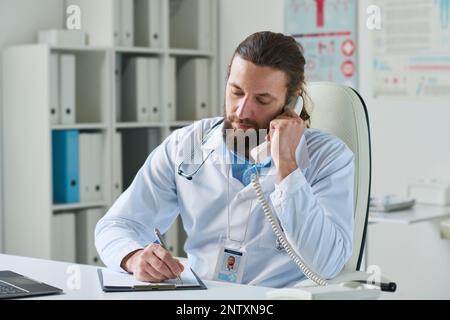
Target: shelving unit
(29, 208)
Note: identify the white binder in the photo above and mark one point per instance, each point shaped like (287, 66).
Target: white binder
(193, 90)
(116, 23)
(148, 23)
(63, 237)
(85, 165)
(97, 166)
(154, 90)
(126, 22)
(142, 90)
(54, 88)
(202, 103)
(155, 23)
(117, 165)
(172, 103)
(204, 25)
(190, 25)
(135, 91)
(67, 82)
(86, 221)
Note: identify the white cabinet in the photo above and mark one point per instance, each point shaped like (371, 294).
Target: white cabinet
(34, 221)
(40, 80)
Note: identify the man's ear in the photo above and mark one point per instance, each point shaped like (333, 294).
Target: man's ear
(292, 97)
(297, 92)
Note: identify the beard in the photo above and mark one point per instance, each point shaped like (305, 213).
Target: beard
(242, 141)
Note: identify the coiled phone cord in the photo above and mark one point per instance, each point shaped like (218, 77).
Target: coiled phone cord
(282, 237)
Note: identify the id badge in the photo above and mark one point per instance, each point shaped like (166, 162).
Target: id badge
(230, 265)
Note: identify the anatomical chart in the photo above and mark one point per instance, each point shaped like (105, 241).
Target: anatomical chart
(327, 31)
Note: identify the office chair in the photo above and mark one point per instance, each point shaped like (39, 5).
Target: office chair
(341, 111)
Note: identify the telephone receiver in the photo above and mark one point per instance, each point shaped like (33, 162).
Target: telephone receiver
(261, 153)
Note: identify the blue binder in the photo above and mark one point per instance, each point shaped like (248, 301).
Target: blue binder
(65, 166)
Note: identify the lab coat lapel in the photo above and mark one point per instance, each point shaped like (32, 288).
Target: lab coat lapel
(216, 145)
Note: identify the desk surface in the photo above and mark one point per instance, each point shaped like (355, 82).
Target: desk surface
(419, 213)
(68, 275)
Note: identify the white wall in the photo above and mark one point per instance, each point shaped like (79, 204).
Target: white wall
(414, 256)
(237, 20)
(19, 22)
(410, 140)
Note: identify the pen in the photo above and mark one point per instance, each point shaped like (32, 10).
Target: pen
(163, 244)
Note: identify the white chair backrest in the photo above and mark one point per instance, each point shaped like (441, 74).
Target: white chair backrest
(340, 110)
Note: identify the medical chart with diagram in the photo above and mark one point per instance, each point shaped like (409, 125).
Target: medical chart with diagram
(327, 31)
(412, 49)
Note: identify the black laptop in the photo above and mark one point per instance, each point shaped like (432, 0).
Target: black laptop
(14, 285)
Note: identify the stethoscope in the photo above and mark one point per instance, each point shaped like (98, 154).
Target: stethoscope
(193, 172)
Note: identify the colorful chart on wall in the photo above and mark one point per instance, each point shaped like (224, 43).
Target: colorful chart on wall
(412, 49)
(327, 31)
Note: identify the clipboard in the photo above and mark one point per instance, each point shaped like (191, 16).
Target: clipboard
(124, 282)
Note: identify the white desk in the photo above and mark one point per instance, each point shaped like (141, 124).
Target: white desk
(408, 248)
(60, 274)
(418, 213)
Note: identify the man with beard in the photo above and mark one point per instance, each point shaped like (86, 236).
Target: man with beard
(202, 173)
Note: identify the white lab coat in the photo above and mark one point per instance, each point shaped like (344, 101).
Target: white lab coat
(314, 205)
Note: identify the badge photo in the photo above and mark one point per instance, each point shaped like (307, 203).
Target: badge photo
(230, 265)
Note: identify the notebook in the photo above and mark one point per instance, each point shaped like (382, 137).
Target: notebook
(112, 281)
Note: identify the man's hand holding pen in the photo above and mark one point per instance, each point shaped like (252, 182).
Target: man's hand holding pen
(152, 264)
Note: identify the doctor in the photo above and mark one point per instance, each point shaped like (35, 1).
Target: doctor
(308, 183)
